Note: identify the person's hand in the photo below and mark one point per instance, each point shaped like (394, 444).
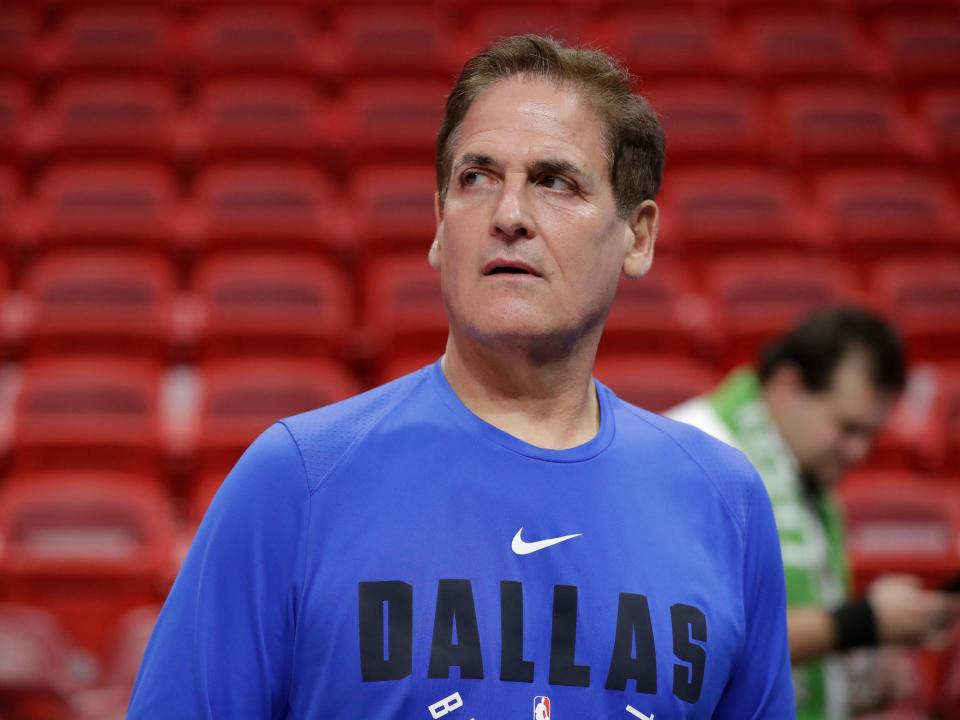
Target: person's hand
(906, 614)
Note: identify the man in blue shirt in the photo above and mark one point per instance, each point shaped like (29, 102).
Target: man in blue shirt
(496, 535)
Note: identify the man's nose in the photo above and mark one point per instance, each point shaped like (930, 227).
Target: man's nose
(512, 216)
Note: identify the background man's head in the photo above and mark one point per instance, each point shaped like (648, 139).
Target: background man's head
(546, 169)
(829, 384)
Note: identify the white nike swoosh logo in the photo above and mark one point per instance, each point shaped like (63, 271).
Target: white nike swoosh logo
(525, 548)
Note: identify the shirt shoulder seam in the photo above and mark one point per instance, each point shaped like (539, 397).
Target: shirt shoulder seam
(305, 552)
(740, 524)
(312, 487)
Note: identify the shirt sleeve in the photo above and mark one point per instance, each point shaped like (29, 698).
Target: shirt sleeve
(223, 644)
(761, 686)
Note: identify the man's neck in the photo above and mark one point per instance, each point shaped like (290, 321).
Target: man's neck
(548, 403)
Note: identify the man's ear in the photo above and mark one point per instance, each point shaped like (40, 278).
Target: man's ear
(433, 257)
(642, 227)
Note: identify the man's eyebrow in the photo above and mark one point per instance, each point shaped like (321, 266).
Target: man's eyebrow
(554, 167)
(549, 166)
(475, 159)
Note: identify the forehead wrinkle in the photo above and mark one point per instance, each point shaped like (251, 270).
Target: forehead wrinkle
(554, 126)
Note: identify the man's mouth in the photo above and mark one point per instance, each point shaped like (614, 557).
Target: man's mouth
(508, 267)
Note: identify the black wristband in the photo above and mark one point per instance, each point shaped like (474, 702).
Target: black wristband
(855, 625)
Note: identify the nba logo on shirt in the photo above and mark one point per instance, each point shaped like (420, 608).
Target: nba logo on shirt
(541, 708)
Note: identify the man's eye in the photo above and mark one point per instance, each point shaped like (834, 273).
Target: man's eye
(472, 178)
(555, 182)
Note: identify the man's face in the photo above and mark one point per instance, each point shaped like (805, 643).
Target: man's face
(833, 430)
(529, 242)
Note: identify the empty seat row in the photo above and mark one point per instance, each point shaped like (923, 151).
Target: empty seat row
(45, 675)
(254, 117)
(111, 542)
(743, 303)
(864, 8)
(114, 414)
(809, 127)
(98, 412)
(85, 547)
(388, 40)
(80, 402)
(901, 522)
(257, 303)
(862, 214)
(103, 302)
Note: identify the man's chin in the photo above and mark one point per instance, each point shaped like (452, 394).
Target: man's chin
(524, 335)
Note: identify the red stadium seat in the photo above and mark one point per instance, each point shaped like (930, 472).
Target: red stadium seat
(262, 117)
(736, 9)
(86, 547)
(650, 314)
(918, 432)
(923, 51)
(869, 10)
(241, 398)
(268, 304)
(758, 298)
(655, 384)
(394, 40)
(898, 522)
(401, 365)
(403, 307)
(108, 700)
(9, 205)
(99, 302)
(247, 37)
(18, 38)
(393, 206)
(131, 635)
(782, 47)
(924, 428)
(40, 668)
(202, 494)
(922, 296)
(118, 38)
(89, 412)
(266, 206)
(658, 45)
(126, 205)
(718, 211)
(947, 414)
(874, 214)
(104, 119)
(603, 8)
(392, 120)
(941, 110)
(14, 105)
(946, 679)
(489, 21)
(710, 123)
(827, 127)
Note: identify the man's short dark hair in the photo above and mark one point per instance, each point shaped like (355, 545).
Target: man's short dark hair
(820, 342)
(635, 143)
